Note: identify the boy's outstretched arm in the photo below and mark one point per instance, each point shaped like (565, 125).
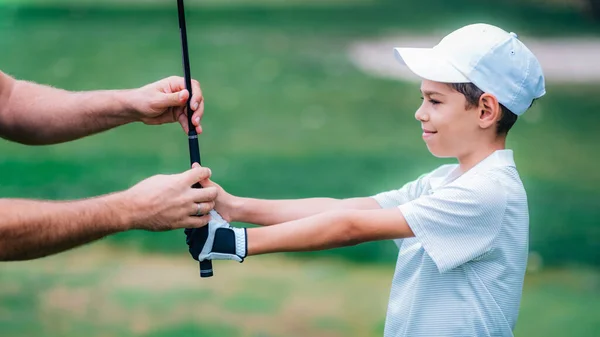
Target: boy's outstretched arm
(269, 212)
(326, 230)
(329, 230)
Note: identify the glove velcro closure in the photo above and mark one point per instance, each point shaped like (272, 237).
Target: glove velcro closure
(230, 241)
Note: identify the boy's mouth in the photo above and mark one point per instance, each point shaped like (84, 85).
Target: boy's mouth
(428, 133)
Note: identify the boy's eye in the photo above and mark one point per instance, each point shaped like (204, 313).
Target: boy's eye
(432, 101)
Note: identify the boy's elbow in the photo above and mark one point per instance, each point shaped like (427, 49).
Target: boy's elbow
(365, 226)
(352, 230)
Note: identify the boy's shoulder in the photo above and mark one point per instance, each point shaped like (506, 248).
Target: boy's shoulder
(443, 170)
(494, 179)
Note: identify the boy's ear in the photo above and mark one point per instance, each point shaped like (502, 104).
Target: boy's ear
(489, 111)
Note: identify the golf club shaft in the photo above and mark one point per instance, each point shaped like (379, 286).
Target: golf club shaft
(205, 266)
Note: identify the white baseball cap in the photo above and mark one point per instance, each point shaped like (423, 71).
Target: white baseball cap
(496, 61)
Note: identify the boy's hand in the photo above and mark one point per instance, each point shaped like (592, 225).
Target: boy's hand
(225, 203)
(224, 242)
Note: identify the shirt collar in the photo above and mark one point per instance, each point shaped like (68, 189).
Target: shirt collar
(499, 158)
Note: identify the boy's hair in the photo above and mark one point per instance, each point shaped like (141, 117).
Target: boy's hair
(472, 93)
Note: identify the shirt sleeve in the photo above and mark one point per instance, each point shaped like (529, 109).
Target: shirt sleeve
(459, 222)
(406, 193)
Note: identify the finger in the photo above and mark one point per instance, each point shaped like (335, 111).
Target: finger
(196, 95)
(176, 83)
(195, 175)
(197, 117)
(183, 121)
(202, 208)
(207, 183)
(196, 221)
(173, 99)
(206, 194)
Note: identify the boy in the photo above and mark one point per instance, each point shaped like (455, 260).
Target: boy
(461, 230)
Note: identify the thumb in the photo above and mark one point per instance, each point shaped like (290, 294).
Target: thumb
(206, 182)
(173, 99)
(196, 174)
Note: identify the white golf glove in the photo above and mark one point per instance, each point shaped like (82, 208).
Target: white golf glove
(224, 242)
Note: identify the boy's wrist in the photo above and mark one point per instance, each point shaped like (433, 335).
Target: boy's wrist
(236, 208)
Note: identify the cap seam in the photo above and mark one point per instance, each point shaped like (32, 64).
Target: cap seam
(512, 101)
(513, 97)
(482, 56)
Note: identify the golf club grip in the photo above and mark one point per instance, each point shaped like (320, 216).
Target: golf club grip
(206, 269)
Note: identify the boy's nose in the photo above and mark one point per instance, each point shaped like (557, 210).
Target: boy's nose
(421, 116)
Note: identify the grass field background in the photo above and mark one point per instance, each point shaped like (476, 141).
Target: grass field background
(287, 115)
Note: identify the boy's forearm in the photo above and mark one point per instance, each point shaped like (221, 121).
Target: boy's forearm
(31, 229)
(318, 232)
(329, 230)
(35, 114)
(269, 212)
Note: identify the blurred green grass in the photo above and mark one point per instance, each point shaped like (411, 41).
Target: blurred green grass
(100, 291)
(287, 116)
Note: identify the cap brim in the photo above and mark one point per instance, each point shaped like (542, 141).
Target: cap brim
(428, 64)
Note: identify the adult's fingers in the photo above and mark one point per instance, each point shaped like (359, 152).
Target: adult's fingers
(195, 174)
(206, 194)
(167, 100)
(197, 117)
(175, 83)
(196, 95)
(197, 221)
(184, 123)
(201, 208)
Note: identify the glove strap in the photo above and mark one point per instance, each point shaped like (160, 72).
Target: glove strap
(231, 240)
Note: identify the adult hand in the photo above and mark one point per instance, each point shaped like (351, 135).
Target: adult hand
(167, 202)
(165, 101)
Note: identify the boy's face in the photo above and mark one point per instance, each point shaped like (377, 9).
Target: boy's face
(449, 128)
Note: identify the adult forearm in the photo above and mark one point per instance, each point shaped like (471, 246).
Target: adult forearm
(31, 229)
(269, 212)
(36, 114)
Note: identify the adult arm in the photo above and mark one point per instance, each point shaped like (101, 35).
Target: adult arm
(36, 114)
(33, 228)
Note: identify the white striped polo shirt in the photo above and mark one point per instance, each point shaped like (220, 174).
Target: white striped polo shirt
(462, 274)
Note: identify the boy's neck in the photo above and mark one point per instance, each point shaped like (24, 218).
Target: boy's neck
(469, 160)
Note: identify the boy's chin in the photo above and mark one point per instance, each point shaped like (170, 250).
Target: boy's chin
(440, 153)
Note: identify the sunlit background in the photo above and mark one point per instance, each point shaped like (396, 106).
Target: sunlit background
(303, 99)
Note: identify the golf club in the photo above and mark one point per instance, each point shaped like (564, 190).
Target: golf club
(205, 266)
